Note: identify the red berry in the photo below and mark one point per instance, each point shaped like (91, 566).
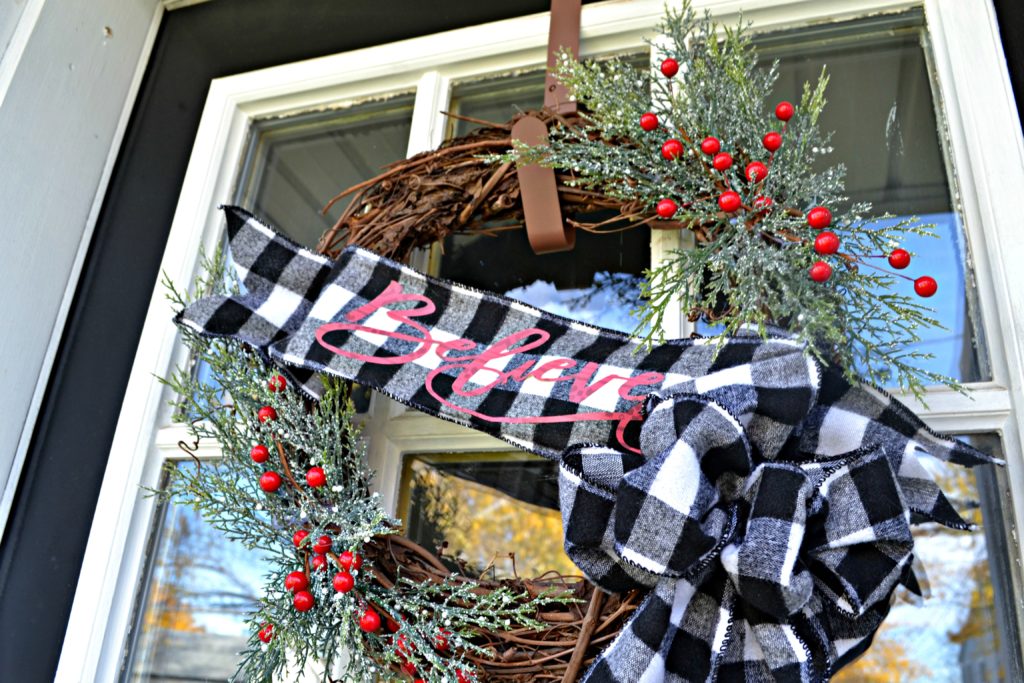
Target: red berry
(899, 258)
(462, 677)
(266, 634)
(722, 161)
(350, 560)
(783, 111)
(277, 383)
(345, 558)
(319, 563)
(409, 668)
(819, 218)
(322, 545)
(710, 146)
(671, 149)
(299, 536)
(666, 208)
(303, 601)
(343, 582)
(729, 201)
(392, 625)
(756, 171)
(403, 646)
(826, 242)
(669, 67)
(762, 203)
(370, 621)
(315, 477)
(821, 271)
(771, 141)
(441, 641)
(266, 413)
(925, 286)
(296, 581)
(270, 481)
(648, 121)
(259, 453)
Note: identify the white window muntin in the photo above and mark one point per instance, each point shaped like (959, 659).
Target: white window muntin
(970, 75)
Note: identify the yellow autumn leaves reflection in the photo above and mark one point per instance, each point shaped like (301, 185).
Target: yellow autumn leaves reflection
(486, 531)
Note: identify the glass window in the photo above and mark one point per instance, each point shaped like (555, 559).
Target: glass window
(598, 282)
(497, 511)
(494, 100)
(199, 590)
(887, 133)
(493, 513)
(294, 165)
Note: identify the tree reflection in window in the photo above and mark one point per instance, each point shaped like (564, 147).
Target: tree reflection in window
(487, 513)
(200, 589)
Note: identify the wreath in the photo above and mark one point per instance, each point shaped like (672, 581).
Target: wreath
(739, 506)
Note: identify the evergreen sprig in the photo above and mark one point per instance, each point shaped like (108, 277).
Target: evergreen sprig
(750, 267)
(221, 404)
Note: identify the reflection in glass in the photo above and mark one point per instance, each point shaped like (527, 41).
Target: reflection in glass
(294, 165)
(597, 283)
(199, 589)
(882, 109)
(482, 507)
(964, 631)
(494, 100)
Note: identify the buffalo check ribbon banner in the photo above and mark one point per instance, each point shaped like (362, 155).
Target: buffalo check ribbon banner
(765, 502)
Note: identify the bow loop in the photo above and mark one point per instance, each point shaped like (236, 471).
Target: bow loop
(673, 511)
(765, 564)
(859, 543)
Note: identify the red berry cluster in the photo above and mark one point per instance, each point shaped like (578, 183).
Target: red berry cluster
(271, 481)
(755, 172)
(405, 649)
(730, 201)
(827, 243)
(297, 582)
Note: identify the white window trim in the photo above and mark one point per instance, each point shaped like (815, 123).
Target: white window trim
(979, 104)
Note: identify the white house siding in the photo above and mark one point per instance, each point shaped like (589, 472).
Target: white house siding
(67, 80)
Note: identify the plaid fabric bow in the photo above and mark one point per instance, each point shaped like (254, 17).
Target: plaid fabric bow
(764, 565)
(765, 503)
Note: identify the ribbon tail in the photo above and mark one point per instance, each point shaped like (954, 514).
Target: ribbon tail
(763, 649)
(279, 282)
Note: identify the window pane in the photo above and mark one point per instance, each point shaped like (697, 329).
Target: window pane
(199, 589)
(882, 109)
(598, 282)
(199, 586)
(495, 100)
(296, 164)
(965, 631)
(485, 506)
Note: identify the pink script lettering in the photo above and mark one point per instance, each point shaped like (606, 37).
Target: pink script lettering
(475, 369)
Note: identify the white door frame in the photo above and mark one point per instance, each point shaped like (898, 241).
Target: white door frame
(979, 105)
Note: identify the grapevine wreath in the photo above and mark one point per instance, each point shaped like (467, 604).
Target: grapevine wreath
(739, 506)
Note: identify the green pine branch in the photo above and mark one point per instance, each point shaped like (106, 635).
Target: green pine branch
(221, 405)
(750, 267)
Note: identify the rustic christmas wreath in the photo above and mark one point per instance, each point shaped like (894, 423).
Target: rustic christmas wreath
(740, 506)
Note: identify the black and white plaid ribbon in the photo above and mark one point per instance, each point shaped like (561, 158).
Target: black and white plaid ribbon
(765, 503)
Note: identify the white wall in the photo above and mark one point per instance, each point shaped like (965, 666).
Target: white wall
(10, 12)
(67, 78)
